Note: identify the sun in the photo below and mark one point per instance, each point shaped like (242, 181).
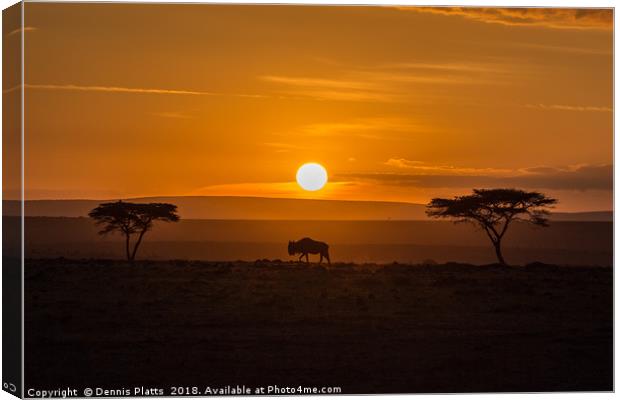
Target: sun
(312, 176)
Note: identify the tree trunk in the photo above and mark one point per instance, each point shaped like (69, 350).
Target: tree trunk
(127, 247)
(135, 247)
(498, 252)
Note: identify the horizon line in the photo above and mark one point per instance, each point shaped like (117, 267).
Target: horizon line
(269, 198)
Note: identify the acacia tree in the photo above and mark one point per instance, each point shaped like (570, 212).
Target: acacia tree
(493, 210)
(132, 218)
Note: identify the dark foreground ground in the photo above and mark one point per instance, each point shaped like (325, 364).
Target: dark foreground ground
(365, 328)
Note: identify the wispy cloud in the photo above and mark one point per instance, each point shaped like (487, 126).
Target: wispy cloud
(129, 90)
(565, 49)
(117, 89)
(402, 163)
(580, 177)
(172, 115)
(369, 128)
(313, 136)
(388, 82)
(331, 89)
(319, 82)
(12, 89)
(562, 107)
(332, 129)
(20, 30)
(378, 128)
(457, 66)
(399, 77)
(271, 189)
(428, 169)
(557, 18)
(281, 147)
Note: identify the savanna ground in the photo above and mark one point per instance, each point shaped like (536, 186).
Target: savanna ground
(366, 328)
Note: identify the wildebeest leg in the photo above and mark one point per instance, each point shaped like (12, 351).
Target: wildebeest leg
(301, 256)
(307, 260)
(321, 259)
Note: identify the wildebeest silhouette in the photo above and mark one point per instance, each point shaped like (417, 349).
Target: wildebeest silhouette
(307, 246)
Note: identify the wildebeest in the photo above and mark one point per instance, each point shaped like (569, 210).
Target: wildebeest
(307, 246)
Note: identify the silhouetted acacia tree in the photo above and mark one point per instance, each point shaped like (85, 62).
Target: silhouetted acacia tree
(493, 210)
(132, 218)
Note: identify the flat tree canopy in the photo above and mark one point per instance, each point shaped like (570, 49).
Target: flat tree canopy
(132, 218)
(493, 210)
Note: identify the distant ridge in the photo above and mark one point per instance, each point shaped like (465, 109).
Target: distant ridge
(263, 208)
(592, 216)
(240, 208)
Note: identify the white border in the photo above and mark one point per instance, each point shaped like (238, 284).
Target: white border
(503, 3)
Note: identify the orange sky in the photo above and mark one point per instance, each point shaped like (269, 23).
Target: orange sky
(397, 103)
